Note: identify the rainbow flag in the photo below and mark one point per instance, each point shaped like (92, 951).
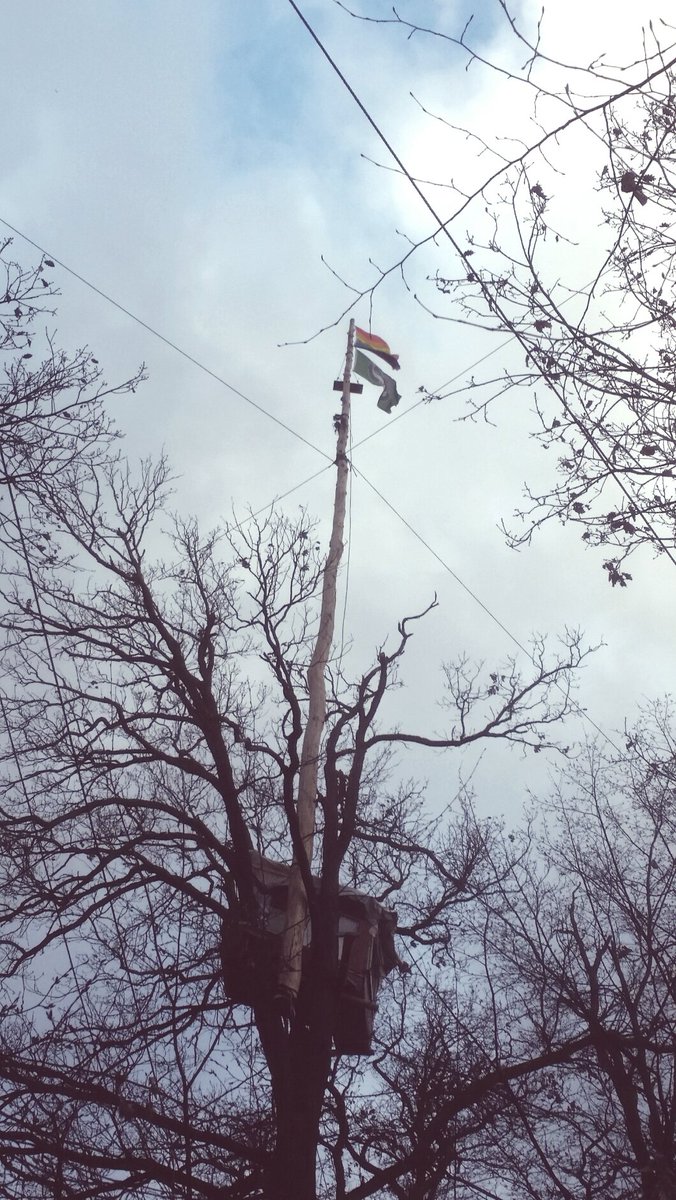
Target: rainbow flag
(376, 345)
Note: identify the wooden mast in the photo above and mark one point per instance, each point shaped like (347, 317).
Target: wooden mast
(296, 913)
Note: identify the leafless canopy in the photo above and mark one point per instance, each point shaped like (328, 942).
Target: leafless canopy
(560, 242)
(152, 709)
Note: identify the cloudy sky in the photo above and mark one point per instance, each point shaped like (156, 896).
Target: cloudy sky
(200, 163)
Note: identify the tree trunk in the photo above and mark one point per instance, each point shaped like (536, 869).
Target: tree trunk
(299, 1059)
(298, 1108)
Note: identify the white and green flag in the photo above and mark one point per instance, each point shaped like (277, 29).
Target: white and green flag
(370, 371)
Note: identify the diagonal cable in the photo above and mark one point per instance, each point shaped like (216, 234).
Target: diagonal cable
(167, 341)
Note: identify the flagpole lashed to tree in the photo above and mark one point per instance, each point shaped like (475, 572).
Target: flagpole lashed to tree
(296, 913)
(291, 958)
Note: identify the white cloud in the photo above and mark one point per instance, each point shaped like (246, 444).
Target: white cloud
(196, 164)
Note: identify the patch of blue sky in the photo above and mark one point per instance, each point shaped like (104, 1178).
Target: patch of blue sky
(265, 78)
(274, 85)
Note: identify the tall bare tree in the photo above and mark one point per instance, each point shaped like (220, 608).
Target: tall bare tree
(153, 703)
(52, 412)
(581, 948)
(565, 249)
